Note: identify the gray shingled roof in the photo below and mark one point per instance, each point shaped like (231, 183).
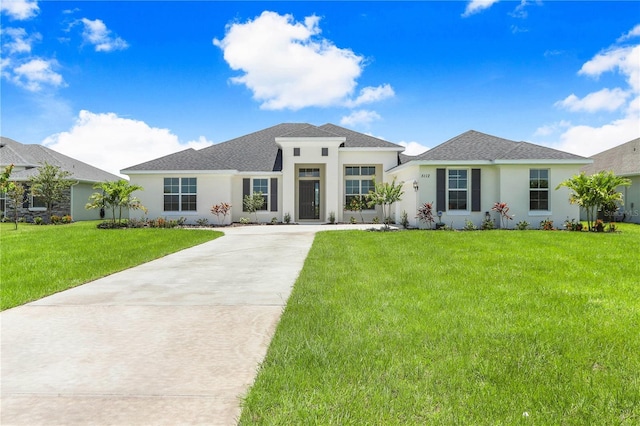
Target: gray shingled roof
(476, 146)
(359, 140)
(33, 156)
(623, 160)
(255, 152)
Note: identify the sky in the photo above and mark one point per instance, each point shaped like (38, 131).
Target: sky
(117, 83)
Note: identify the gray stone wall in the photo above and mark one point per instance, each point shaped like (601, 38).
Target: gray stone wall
(26, 214)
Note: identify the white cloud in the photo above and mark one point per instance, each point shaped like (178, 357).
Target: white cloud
(623, 59)
(287, 65)
(413, 148)
(371, 94)
(360, 117)
(588, 140)
(19, 9)
(605, 99)
(96, 33)
(476, 6)
(635, 32)
(549, 129)
(113, 143)
(35, 74)
(18, 40)
(585, 139)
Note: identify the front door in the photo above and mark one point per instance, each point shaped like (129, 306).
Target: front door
(309, 199)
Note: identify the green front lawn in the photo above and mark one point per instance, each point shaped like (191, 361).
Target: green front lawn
(469, 328)
(37, 261)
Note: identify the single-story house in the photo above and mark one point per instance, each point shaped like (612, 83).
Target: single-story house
(26, 158)
(311, 172)
(623, 160)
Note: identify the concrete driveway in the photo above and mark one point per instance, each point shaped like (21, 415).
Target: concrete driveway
(175, 341)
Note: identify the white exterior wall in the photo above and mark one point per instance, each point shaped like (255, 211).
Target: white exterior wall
(514, 190)
(499, 183)
(383, 161)
(211, 189)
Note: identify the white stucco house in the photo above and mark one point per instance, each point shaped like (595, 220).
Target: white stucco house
(310, 172)
(624, 161)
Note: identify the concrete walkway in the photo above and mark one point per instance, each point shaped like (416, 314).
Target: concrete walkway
(176, 341)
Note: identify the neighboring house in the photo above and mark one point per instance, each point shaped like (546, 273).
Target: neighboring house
(26, 158)
(623, 160)
(466, 175)
(309, 172)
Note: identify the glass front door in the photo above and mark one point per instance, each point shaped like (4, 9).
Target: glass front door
(309, 199)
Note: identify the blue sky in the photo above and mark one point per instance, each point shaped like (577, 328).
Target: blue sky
(118, 83)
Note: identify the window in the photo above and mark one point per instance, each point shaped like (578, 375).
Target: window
(325, 152)
(358, 181)
(296, 152)
(36, 202)
(458, 189)
(539, 189)
(3, 203)
(309, 173)
(180, 194)
(262, 185)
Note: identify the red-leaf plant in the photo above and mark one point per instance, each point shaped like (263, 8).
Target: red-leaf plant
(425, 214)
(503, 210)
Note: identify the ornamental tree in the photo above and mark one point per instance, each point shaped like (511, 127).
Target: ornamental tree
(594, 192)
(115, 196)
(51, 184)
(385, 194)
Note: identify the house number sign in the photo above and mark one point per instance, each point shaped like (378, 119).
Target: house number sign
(425, 175)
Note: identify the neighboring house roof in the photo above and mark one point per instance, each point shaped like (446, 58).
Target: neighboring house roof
(258, 151)
(477, 146)
(32, 156)
(623, 160)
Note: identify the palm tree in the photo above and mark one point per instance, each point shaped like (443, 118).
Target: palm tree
(115, 195)
(594, 192)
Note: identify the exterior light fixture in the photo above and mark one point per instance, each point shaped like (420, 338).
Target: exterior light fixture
(487, 215)
(415, 185)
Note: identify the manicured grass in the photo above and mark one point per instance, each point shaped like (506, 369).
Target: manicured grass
(37, 261)
(469, 328)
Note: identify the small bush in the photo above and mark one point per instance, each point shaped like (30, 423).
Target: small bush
(469, 226)
(37, 220)
(572, 225)
(332, 218)
(55, 219)
(547, 225)
(66, 219)
(352, 220)
(287, 218)
(274, 220)
(245, 220)
(376, 220)
(488, 224)
(404, 219)
(136, 223)
(599, 226)
(523, 225)
(202, 221)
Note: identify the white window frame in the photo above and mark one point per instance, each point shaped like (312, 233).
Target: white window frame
(265, 194)
(538, 189)
(180, 194)
(467, 190)
(359, 178)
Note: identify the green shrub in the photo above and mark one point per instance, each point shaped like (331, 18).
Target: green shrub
(488, 224)
(523, 225)
(287, 218)
(202, 222)
(547, 225)
(332, 218)
(352, 220)
(404, 219)
(37, 220)
(245, 220)
(469, 226)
